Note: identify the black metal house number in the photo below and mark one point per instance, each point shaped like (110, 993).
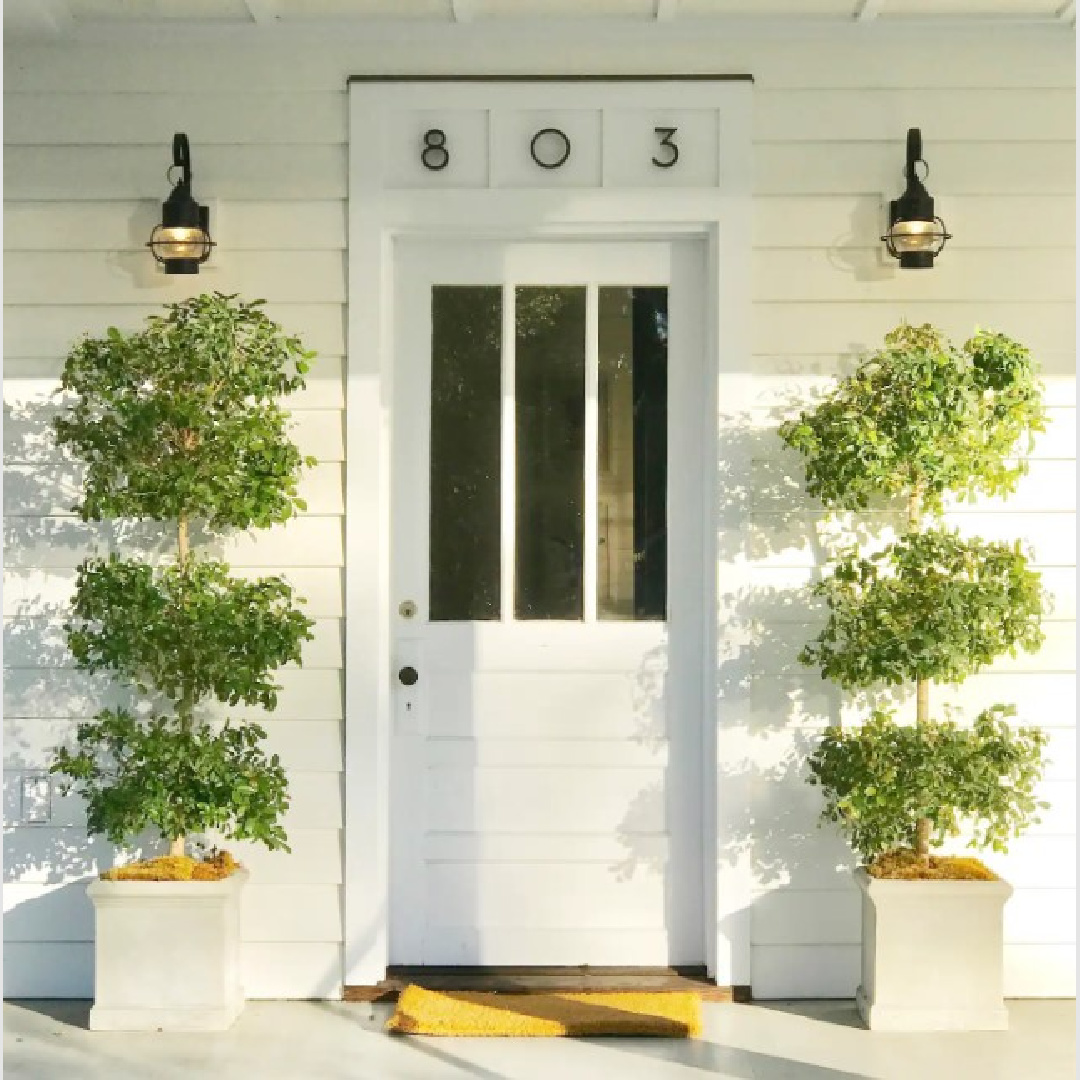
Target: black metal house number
(667, 141)
(554, 140)
(549, 148)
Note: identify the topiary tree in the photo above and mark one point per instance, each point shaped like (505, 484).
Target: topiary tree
(179, 423)
(920, 420)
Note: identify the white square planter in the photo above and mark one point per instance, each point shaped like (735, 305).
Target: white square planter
(167, 954)
(932, 955)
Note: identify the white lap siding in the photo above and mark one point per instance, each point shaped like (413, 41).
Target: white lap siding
(87, 134)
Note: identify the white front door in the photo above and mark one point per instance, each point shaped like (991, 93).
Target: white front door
(547, 585)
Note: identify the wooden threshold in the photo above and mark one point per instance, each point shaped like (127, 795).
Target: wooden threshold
(523, 980)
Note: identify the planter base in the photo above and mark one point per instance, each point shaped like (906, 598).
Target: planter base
(167, 955)
(939, 1018)
(932, 955)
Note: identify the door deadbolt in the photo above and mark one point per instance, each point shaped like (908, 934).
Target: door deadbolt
(408, 676)
(407, 609)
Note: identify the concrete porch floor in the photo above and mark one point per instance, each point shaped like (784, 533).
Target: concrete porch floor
(298, 1040)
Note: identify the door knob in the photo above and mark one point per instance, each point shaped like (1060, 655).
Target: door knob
(408, 676)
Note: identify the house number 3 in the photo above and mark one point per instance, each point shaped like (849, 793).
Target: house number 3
(667, 141)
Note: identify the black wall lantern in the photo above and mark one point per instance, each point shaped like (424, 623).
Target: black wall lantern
(181, 243)
(915, 235)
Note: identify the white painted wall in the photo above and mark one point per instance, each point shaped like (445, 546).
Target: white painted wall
(87, 135)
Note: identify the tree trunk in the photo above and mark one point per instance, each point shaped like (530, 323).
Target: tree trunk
(922, 841)
(176, 846)
(922, 700)
(183, 544)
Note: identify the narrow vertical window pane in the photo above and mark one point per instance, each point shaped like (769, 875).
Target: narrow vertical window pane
(632, 454)
(550, 414)
(466, 324)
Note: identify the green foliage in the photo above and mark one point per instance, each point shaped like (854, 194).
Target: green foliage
(137, 774)
(179, 420)
(930, 606)
(881, 778)
(187, 628)
(921, 415)
(918, 420)
(179, 423)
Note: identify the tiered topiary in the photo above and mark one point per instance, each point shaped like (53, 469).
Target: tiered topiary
(179, 423)
(921, 420)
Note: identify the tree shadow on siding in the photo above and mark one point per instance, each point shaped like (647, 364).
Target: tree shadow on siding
(774, 539)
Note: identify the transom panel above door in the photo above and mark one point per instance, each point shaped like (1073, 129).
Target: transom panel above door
(546, 559)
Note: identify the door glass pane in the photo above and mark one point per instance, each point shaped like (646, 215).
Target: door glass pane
(631, 558)
(466, 373)
(550, 451)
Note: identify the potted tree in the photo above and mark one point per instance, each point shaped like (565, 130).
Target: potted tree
(919, 421)
(178, 424)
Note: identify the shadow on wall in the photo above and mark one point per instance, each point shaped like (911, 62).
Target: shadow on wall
(48, 856)
(770, 709)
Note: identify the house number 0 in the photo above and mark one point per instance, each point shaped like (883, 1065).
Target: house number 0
(549, 148)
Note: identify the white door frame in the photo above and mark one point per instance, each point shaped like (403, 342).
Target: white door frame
(387, 202)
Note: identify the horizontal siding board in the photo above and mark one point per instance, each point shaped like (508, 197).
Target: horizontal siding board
(806, 700)
(313, 746)
(261, 116)
(274, 969)
(1008, 223)
(964, 277)
(1040, 971)
(1029, 114)
(48, 969)
(291, 913)
(259, 172)
(28, 435)
(56, 693)
(1040, 917)
(1048, 487)
(59, 855)
(798, 328)
(804, 971)
(39, 331)
(778, 653)
(806, 917)
(284, 913)
(54, 489)
(781, 595)
(783, 384)
(783, 540)
(957, 169)
(315, 859)
(47, 543)
(239, 225)
(58, 279)
(41, 593)
(35, 383)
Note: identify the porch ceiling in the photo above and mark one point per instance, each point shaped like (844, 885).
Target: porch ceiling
(107, 18)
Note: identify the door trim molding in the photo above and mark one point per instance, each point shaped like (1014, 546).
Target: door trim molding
(382, 209)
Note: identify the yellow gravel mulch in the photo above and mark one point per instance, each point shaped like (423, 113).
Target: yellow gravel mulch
(903, 865)
(176, 868)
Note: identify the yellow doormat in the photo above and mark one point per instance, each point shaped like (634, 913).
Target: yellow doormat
(673, 1014)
